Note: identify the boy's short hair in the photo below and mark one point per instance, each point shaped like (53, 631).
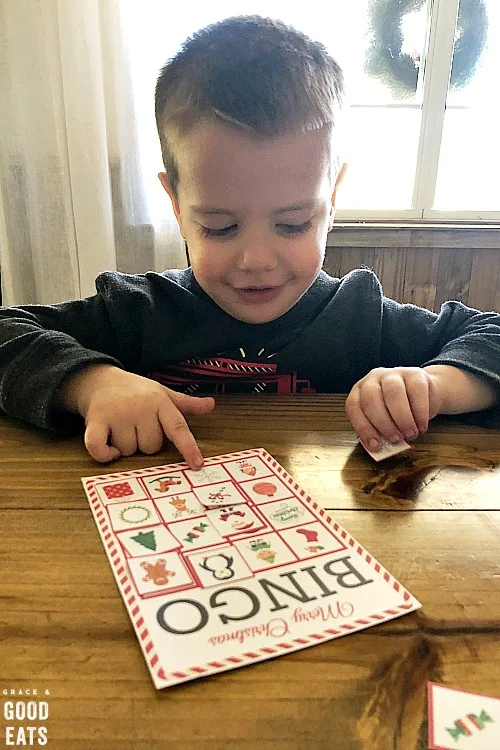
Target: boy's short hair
(251, 73)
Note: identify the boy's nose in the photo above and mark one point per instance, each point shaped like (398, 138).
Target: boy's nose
(257, 257)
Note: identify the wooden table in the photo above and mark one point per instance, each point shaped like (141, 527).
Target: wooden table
(431, 517)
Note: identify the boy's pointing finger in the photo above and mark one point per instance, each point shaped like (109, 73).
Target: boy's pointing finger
(176, 429)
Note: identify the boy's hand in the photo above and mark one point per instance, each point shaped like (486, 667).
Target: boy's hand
(395, 403)
(125, 412)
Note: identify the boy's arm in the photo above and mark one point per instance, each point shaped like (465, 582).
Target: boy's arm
(459, 347)
(462, 392)
(41, 345)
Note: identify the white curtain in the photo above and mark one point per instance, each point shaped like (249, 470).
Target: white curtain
(73, 198)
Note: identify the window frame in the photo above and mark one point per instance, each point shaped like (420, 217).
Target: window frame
(442, 22)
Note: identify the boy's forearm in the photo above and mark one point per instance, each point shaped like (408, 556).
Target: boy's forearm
(461, 391)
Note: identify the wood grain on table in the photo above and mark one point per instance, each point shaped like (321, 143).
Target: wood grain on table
(430, 516)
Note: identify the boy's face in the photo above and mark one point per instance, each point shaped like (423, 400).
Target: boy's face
(249, 249)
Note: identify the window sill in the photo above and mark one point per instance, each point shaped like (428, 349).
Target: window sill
(397, 234)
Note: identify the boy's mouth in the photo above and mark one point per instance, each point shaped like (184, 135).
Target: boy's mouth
(258, 293)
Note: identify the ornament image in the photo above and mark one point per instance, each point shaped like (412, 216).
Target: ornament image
(265, 488)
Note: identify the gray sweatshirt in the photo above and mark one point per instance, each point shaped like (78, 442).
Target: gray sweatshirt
(164, 326)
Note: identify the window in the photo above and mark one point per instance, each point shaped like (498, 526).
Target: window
(427, 150)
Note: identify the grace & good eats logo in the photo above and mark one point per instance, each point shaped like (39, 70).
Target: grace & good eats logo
(25, 713)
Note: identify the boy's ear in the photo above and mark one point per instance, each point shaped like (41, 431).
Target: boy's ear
(340, 177)
(338, 181)
(162, 176)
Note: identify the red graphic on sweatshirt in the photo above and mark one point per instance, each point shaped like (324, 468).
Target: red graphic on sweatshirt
(222, 375)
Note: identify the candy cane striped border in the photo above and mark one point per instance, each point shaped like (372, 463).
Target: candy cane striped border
(294, 644)
(171, 467)
(160, 676)
(118, 564)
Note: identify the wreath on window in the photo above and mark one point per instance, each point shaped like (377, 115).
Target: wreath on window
(398, 71)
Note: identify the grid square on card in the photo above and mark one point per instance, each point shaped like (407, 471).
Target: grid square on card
(284, 513)
(252, 467)
(220, 565)
(207, 475)
(118, 490)
(235, 519)
(132, 515)
(196, 533)
(311, 539)
(140, 542)
(166, 483)
(265, 551)
(264, 490)
(160, 574)
(179, 506)
(217, 495)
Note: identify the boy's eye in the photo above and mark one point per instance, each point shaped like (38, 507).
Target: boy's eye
(207, 232)
(296, 228)
(287, 228)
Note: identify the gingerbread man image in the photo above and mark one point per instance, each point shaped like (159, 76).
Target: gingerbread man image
(158, 572)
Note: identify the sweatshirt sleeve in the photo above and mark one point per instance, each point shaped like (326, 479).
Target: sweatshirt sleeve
(40, 345)
(459, 336)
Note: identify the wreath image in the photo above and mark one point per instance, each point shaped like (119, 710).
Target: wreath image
(398, 71)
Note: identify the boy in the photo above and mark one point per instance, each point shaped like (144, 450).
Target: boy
(247, 114)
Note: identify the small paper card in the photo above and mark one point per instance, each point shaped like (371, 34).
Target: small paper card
(388, 449)
(458, 718)
(233, 564)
